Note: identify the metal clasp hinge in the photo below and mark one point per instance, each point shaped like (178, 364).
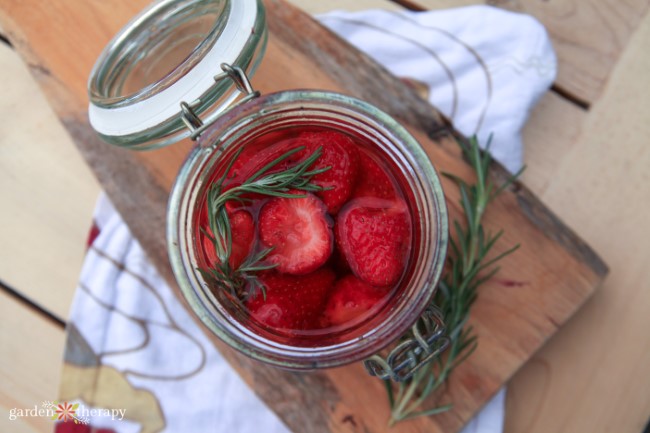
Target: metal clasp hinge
(425, 341)
(243, 84)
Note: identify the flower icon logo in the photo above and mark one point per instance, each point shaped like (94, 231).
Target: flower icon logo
(65, 411)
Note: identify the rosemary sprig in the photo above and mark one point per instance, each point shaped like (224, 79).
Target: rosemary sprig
(242, 282)
(468, 268)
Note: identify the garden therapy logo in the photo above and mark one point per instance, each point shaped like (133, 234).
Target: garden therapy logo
(65, 412)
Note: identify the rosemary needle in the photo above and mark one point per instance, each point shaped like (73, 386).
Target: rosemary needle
(242, 282)
(468, 268)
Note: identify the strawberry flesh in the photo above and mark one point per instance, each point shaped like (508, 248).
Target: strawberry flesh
(350, 299)
(375, 236)
(372, 180)
(340, 154)
(243, 233)
(253, 159)
(299, 231)
(293, 302)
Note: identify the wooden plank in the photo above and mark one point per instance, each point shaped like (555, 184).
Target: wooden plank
(553, 273)
(550, 133)
(30, 366)
(594, 376)
(49, 189)
(588, 36)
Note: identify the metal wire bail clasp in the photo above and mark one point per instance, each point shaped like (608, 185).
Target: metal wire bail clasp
(425, 341)
(243, 84)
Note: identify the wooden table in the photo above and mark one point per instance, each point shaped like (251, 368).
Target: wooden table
(587, 153)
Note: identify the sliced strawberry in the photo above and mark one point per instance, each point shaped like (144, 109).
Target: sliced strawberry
(375, 236)
(293, 302)
(254, 158)
(351, 298)
(373, 180)
(243, 233)
(299, 231)
(340, 154)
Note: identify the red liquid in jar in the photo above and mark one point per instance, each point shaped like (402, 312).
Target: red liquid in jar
(341, 255)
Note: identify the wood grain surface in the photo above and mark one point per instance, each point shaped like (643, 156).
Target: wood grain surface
(588, 36)
(27, 380)
(50, 190)
(554, 273)
(595, 375)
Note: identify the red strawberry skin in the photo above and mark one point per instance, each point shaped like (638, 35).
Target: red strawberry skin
(340, 154)
(299, 231)
(375, 236)
(252, 159)
(350, 299)
(372, 180)
(293, 302)
(243, 234)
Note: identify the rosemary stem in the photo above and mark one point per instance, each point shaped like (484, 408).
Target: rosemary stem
(468, 268)
(408, 395)
(243, 282)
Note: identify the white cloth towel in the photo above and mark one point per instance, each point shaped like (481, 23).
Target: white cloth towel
(484, 68)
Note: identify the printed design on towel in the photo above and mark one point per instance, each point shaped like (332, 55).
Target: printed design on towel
(90, 379)
(449, 73)
(133, 345)
(472, 53)
(169, 324)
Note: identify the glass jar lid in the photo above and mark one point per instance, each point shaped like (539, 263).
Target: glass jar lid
(170, 54)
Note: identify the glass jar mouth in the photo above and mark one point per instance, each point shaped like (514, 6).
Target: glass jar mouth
(311, 108)
(126, 71)
(168, 54)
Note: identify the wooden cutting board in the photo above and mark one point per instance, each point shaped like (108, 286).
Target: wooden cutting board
(537, 290)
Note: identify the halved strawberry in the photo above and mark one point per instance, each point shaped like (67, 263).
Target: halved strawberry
(254, 158)
(375, 236)
(340, 154)
(293, 302)
(299, 231)
(373, 180)
(243, 233)
(351, 298)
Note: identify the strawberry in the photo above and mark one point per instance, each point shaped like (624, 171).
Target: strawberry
(340, 154)
(373, 180)
(375, 236)
(299, 231)
(254, 158)
(243, 233)
(350, 298)
(293, 302)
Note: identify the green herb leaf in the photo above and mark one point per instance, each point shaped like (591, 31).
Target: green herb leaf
(468, 269)
(242, 283)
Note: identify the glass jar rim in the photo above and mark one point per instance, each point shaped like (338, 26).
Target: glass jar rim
(150, 116)
(431, 206)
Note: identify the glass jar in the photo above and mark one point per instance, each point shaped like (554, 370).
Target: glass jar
(129, 109)
(167, 54)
